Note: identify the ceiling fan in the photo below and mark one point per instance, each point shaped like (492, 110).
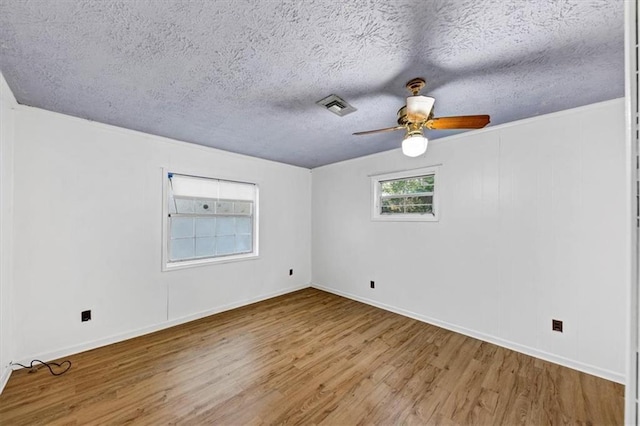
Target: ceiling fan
(417, 115)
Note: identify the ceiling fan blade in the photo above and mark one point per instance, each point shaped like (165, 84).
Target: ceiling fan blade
(459, 122)
(388, 129)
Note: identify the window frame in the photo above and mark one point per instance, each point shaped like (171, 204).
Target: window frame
(376, 195)
(167, 264)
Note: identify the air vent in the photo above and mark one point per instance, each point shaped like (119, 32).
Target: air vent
(336, 105)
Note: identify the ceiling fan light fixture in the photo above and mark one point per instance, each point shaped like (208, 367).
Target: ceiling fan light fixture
(414, 144)
(419, 107)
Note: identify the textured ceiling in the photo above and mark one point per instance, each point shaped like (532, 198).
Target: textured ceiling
(244, 76)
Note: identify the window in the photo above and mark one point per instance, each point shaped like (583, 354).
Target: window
(209, 220)
(405, 196)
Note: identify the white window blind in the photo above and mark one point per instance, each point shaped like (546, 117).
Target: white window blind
(209, 218)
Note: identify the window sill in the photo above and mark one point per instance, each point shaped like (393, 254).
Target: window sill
(207, 262)
(405, 218)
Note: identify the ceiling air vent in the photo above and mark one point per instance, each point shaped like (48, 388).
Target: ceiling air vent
(336, 105)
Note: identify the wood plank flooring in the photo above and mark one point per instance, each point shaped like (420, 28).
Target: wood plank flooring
(309, 357)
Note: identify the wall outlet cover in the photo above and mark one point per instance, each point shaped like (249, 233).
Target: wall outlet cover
(85, 316)
(556, 325)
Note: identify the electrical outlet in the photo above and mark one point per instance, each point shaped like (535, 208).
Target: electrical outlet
(85, 316)
(373, 284)
(556, 325)
(290, 272)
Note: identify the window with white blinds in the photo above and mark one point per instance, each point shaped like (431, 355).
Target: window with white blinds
(209, 219)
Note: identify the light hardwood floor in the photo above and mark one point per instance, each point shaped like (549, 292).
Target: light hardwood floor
(309, 357)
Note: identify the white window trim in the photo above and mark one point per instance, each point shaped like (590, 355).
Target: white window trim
(167, 265)
(375, 196)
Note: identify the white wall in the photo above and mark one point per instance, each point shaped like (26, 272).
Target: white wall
(88, 203)
(7, 341)
(532, 227)
(631, 28)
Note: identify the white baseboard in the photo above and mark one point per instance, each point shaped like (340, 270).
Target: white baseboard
(71, 350)
(586, 368)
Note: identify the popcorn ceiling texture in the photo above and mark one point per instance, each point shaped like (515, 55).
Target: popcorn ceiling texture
(244, 76)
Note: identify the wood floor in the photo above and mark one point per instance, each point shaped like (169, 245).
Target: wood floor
(309, 358)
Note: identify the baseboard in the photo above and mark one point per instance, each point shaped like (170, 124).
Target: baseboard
(71, 350)
(4, 378)
(566, 362)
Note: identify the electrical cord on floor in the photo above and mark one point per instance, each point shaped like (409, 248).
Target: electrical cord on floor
(48, 365)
